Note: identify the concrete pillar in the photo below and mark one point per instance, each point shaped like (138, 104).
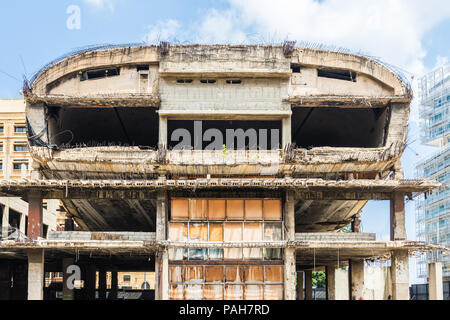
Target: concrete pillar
(356, 224)
(23, 220)
(5, 221)
(35, 274)
(289, 253)
(300, 292)
(400, 275)
(162, 275)
(308, 285)
(286, 132)
(102, 284)
(89, 282)
(435, 286)
(67, 279)
(114, 285)
(397, 215)
(356, 279)
(163, 131)
(331, 282)
(35, 222)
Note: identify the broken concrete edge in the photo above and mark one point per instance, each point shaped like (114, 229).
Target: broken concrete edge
(403, 185)
(129, 244)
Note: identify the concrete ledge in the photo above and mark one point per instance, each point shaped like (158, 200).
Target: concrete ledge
(85, 236)
(335, 236)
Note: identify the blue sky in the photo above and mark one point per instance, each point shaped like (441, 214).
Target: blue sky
(411, 34)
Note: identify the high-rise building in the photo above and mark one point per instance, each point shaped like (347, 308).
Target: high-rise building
(433, 211)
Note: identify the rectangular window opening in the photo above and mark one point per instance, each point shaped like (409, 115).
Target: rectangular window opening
(237, 81)
(99, 74)
(346, 75)
(184, 80)
(207, 81)
(295, 68)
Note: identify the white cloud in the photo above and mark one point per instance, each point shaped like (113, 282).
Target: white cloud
(166, 30)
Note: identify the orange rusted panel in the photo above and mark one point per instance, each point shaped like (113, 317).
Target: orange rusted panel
(193, 274)
(213, 273)
(198, 209)
(176, 273)
(234, 274)
(180, 209)
(198, 231)
(272, 209)
(274, 273)
(176, 292)
(235, 209)
(215, 232)
(216, 209)
(254, 274)
(253, 209)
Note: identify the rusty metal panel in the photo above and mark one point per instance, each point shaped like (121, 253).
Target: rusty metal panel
(213, 292)
(274, 274)
(272, 209)
(193, 274)
(253, 292)
(234, 274)
(214, 273)
(253, 209)
(273, 292)
(235, 209)
(194, 292)
(198, 209)
(180, 209)
(216, 209)
(176, 292)
(176, 274)
(234, 292)
(254, 274)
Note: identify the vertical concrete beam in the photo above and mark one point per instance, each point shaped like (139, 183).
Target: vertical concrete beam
(435, 286)
(356, 278)
(102, 284)
(35, 222)
(162, 257)
(308, 285)
(35, 274)
(289, 253)
(90, 282)
(356, 224)
(67, 291)
(5, 221)
(22, 225)
(397, 215)
(400, 275)
(286, 132)
(163, 131)
(331, 282)
(300, 292)
(114, 285)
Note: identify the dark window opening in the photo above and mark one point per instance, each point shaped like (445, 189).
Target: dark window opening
(346, 75)
(143, 68)
(184, 81)
(224, 135)
(18, 165)
(14, 218)
(208, 81)
(295, 68)
(20, 129)
(339, 127)
(91, 127)
(126, 278)
(99, 73)
(234, 81)
(20, 147)
(45, 230)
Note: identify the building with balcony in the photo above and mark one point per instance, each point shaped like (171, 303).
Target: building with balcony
(227, 170)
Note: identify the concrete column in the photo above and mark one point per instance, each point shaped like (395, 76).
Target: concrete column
(356, 224)
(5, 221)
(35, 222)
(161, 215)
(435, 286)
(308, 285)
(67, 292)
(286, 132)
(289, 253)
(23, 219)
(89, 282)
(162, 275)
(102, 284)
(114, 285)
(300, 292)
(398, 231)
(35, 274)
(400, 275)
(356, 279)
(163, 131)
(331, 282)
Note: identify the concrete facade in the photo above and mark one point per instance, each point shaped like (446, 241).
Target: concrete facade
(224, 170)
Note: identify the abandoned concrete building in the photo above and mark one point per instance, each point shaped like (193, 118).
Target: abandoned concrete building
(227, 170)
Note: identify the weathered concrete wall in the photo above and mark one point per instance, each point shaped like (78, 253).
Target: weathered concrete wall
(377, 283)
